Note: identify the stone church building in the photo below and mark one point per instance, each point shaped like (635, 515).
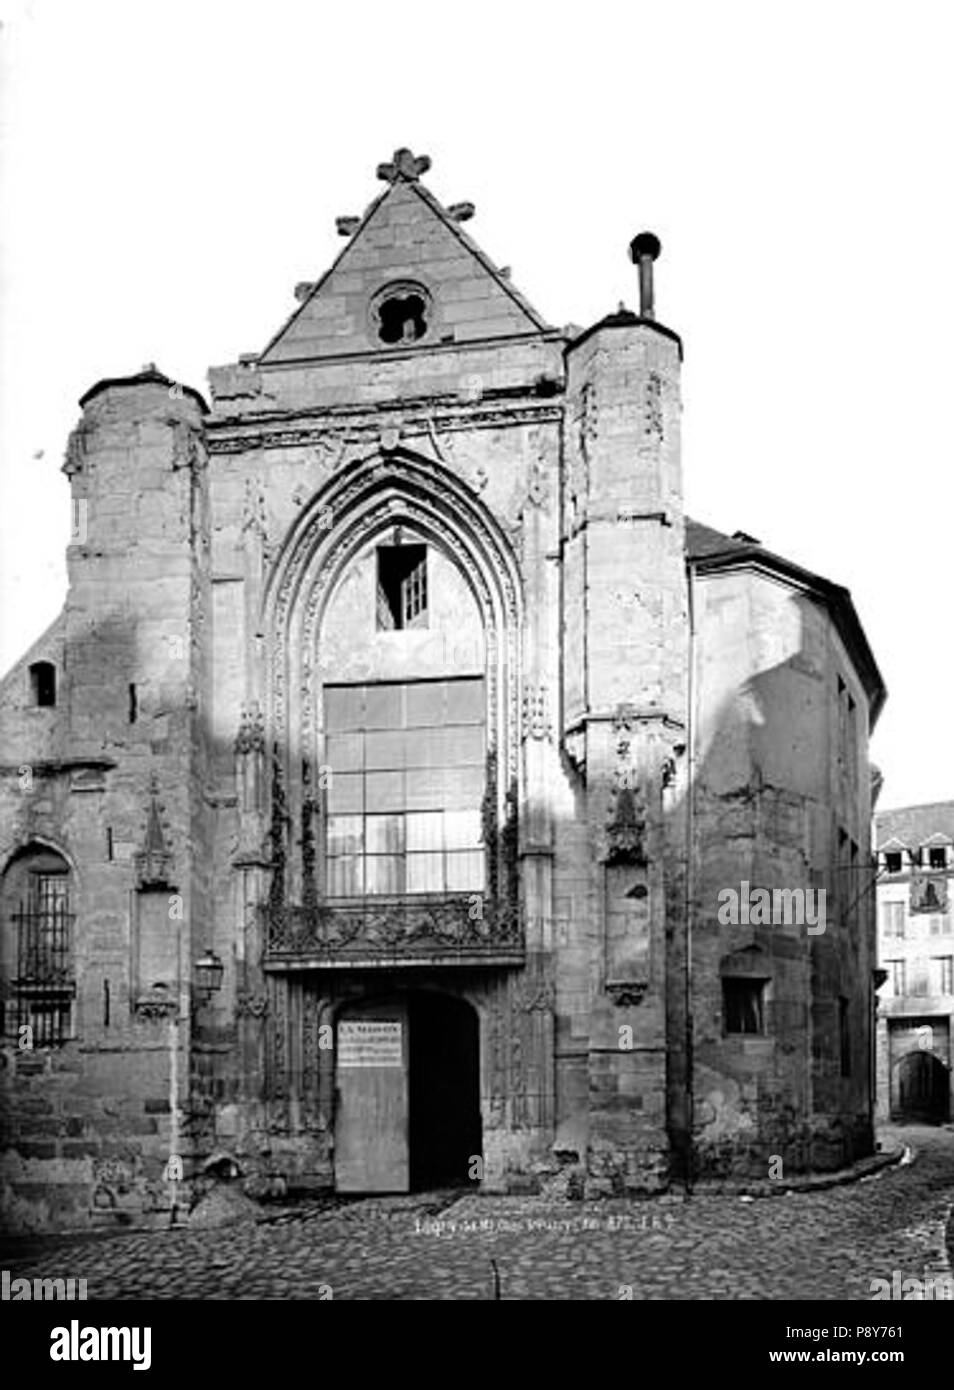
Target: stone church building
(366, 814)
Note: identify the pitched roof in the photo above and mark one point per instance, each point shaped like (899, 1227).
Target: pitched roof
(914, 825)
(709, 550)
(404, 236)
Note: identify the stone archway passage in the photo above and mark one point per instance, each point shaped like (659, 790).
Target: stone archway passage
(923, 1088)
(445, 1131)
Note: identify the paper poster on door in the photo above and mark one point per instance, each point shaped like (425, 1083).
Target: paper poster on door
(369, 1043)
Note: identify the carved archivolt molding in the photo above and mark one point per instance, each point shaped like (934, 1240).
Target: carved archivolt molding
(363, 499)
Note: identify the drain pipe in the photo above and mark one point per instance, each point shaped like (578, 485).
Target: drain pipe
(689, 1164)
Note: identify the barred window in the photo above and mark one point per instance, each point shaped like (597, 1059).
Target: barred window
(37, 950)
(404, 803)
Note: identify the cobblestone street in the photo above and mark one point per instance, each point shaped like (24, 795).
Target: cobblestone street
(821, 1245)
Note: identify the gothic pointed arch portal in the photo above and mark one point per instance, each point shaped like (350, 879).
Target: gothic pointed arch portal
(390, 496)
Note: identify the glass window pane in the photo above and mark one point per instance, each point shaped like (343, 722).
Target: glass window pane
(345, 877)
(462, 829)
(344, 707)
(384, 750)
(463, 744)
(345, 793)
(425, 704)
(384, 874)
(465, 871)
(424, 788)
(383, 706)
(384, 834)
(344, 752)
(466, 702)
(384, 791)
(425, 830)
(344, 835)
(464, 786)
(425, 873)
(420, 746)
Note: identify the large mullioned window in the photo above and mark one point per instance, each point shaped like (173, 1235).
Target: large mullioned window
(408, 763)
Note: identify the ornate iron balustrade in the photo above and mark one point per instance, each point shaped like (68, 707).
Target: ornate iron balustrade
(444, 930)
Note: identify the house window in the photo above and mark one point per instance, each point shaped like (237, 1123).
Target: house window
(37, 949)
(892, 918)
(937, 857)
(402, 587)
(941, 975)
(892, 861)
(940, 924)
(844, 1036)
(897, 973)
(404, 807)
(743, 1005)
(43, 683)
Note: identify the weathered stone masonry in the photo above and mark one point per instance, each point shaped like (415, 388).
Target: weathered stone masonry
(624, 712)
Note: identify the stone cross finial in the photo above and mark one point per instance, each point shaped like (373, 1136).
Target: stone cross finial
(404, 165)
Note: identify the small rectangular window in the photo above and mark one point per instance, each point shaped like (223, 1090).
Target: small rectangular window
(742, 1006)
(402, 587)
(937, 857)
(941, 975)
(892, 861)
(43, 683)
(897, 973)
(892, 918)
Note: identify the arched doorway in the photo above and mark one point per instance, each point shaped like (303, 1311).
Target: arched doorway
(407, 1075)
(445, 1132)
(923, 1088)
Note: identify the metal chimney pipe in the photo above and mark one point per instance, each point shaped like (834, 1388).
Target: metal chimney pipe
(643, 250)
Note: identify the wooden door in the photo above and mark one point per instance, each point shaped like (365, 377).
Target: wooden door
(371, 1118)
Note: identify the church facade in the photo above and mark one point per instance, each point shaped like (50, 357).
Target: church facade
(371, 817)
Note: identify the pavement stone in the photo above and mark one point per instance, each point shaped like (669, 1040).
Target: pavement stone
(807, 1245)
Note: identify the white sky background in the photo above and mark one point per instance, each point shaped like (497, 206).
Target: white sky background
(169, 172)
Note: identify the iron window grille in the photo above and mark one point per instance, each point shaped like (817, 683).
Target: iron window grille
(42, 991)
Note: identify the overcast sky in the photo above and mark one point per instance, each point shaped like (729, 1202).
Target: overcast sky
(169, 172)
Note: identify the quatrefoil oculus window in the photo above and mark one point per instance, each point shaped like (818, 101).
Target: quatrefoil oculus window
(401, 314)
